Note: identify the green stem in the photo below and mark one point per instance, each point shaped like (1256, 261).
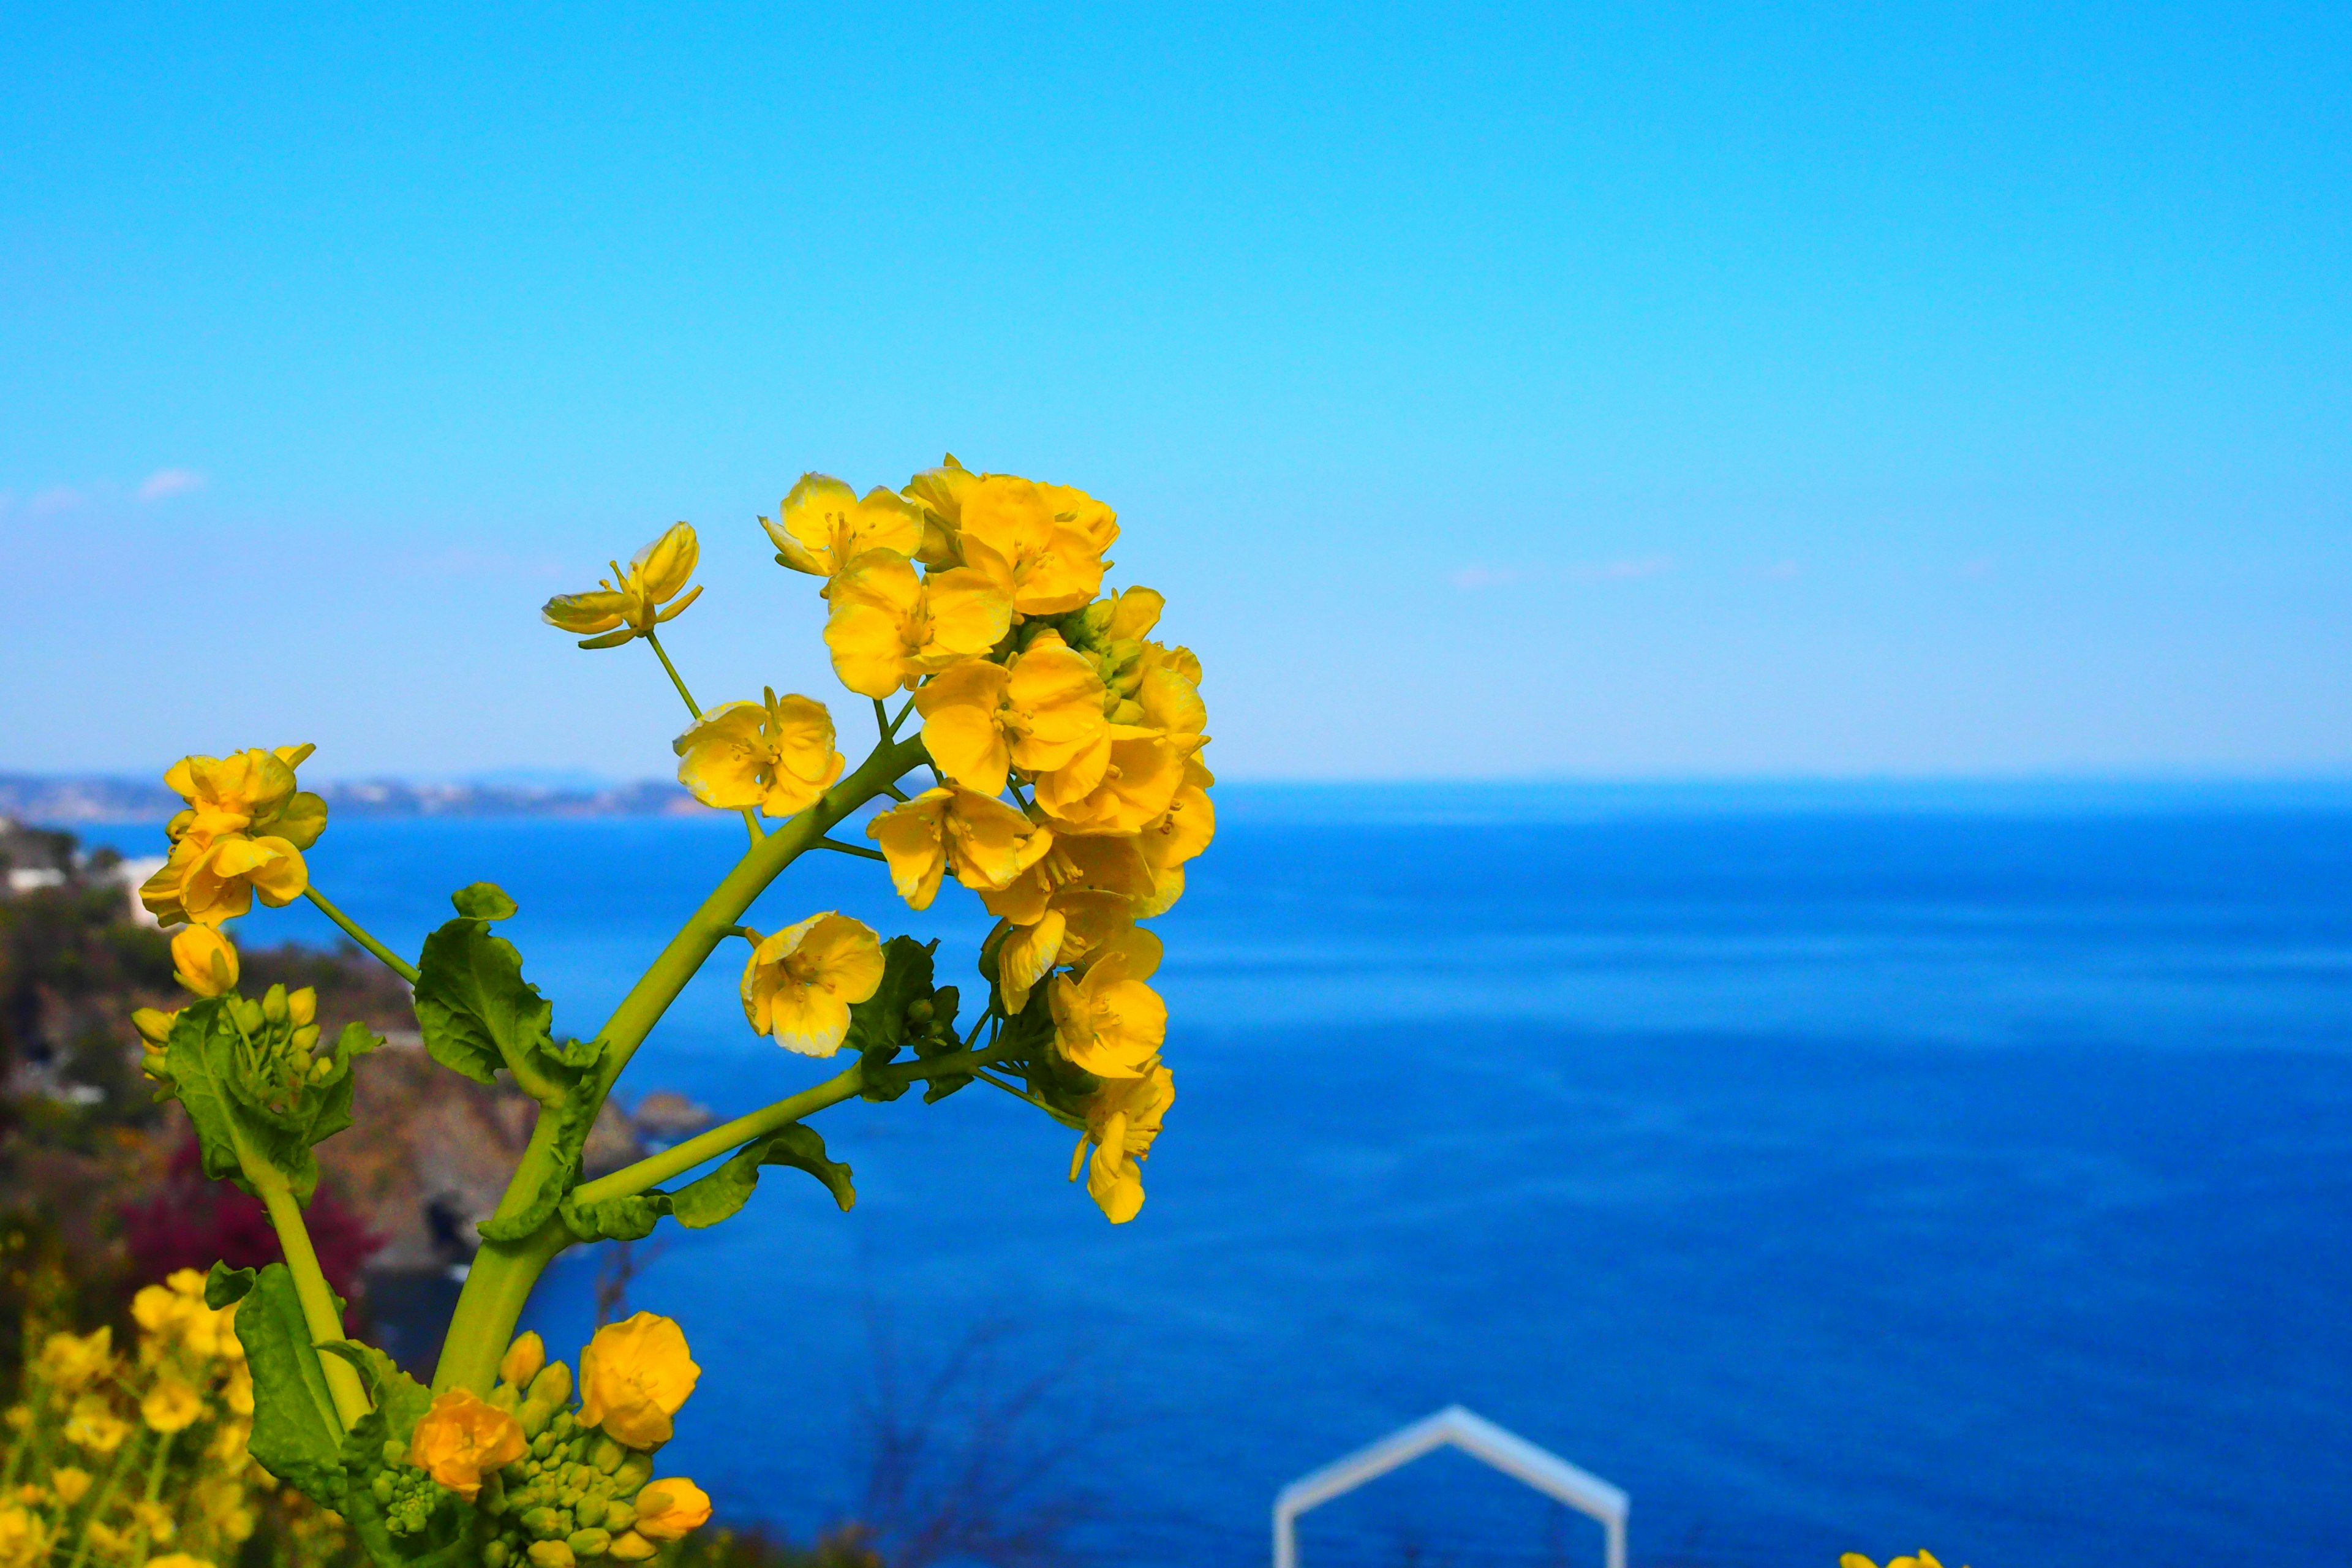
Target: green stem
(352, 928)
(503, 1273)
(105, 1495)
(840, 849)
(318, 1313)
(674, 678)
(724, 1139)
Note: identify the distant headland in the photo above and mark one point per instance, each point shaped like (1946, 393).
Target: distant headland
(64, 801)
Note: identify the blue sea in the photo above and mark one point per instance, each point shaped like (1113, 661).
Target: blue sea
(1829, 1168)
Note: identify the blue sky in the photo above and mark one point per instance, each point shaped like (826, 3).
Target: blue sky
(1495, 391)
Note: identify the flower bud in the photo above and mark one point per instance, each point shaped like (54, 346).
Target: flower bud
(534, 1416)
(154, 1026)
(302, 1006)
(588, 1542)
(619, 1516)
(506, 1396)
(524, 1361)
(634, 1472)
(551, 1554)
(496, 1555)
(606, 1455)
(542, 1523)
(305, 1037)
(249, 1017)
(394, 1451)
(589, 1510)
(273, 1003)
(205, 962)
(631, 1547)
(552, 1384)
(322, 1070)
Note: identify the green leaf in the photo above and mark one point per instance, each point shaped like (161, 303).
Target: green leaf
(297, 1436)
(878, 1026)
(255, 1097)
(631, 1218)
(398, 1398)
(718, 1195)
(573, 1115)
(484, 901)
(224, 1285)
(477, 1012)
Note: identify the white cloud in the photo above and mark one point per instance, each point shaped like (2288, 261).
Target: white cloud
(167, 482)
(1621, 571)
(57, 498)
(1474, 577)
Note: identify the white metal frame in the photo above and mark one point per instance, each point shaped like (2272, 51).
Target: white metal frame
(1473, 1435)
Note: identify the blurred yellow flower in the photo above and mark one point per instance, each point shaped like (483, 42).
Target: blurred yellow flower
(822, 526)
(985, 841)
(634, 1376)
(1122, 1121)
(1041, 544)
(1107, 1020)
(178, 1560)
(1856, 1559)
(171, 1406)
(250, 791)
(888, 628)
(71, 1360)
(629, 603)
(1039, 713)
(462, 1436)
(776, 754)
(70, 1482)
(94, 1427)
(24, 1538)
(155, 1519)
(668, 1509)
(800, 982)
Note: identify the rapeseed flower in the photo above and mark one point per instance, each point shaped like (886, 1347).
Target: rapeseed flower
(24, 1537)
(1077, 923)
(888, 628)
(985, 841)
(70, 1482)
(69, 1361)
(1039, 713)
(670, 1509)
(1101, 862)
(1122, 1121)
(1856, 1559)
(823, 526)
(93, 1425)
(1107, 1021)
(800, 982)
(210, 881)
(629, 604)
(1121, 786)
(250, 791)
(634, 1376)
(171, 1406)
(1041, 544)
(777, 753)
(203, 961)
(462, 1436)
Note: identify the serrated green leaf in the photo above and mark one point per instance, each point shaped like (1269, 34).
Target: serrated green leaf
(484, 901)
(452, 1537)
(398, 1398)
(880, 1020)
(297, 1435)
(718, 1195)
(241, 1111)
(224, 1285)
(631, 1218)
(573, 1116)
(477, 1012)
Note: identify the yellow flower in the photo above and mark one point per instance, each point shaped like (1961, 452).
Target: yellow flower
(888, 628)
(1122, 1121)
(1122, 786)
(24, 1539)
(1856, 1559)
(461, 1436)
(171, 1406)
(1077, 923)
(71, 1482)
(802, 982)
(985, 841)
(1037, 713)
(155, 1519)
(238, 1391)
(776, 754)
(229, 1441)
(630, 1547)
(206, 960)
(177, 1560)
(822, 526)
(629, 603)
(1172, 840)
(252, 790)
(1168, 691)
(213, 880)
(668, 1509)
(94, 1427)
(1107, 1020)
(1098, 862)
(634, 1376)
(73, 1361)
(939, 493)
(1041, 544)
(522, 1361)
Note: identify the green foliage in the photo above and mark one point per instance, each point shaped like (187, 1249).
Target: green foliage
(707, 1200)
(400, 1514)
(297, 1436)
(257, 1097)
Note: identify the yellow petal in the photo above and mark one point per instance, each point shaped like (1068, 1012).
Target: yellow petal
(722, 755)
(960, 727)
(661, 569)
(912, 839)
(585, 612)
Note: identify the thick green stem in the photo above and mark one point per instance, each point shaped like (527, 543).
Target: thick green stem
(503, 1273)
(318, 1312)
(352, 928)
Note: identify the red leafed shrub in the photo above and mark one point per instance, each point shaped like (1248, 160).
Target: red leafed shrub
(192, 1223)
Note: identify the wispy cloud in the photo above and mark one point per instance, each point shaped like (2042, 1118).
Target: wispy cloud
(57, 498)
(1473, 577)
(164, 483)
(1622, 571)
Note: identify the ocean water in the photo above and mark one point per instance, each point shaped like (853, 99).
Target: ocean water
(1829, 1172)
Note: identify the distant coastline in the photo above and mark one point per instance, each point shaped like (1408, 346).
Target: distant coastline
(63, 801)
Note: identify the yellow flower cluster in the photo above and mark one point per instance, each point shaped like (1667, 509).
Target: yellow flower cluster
(243, 834)
(1856, 1559)
(140, 1459)
(558, 1485)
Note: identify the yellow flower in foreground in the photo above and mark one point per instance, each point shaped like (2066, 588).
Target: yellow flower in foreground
(1121, 786)
(629, 603)
(252, 790)
(214, 880)
(823, 526)
(1043, 544)
(205, 961)
(939, 493)
(800, 982)
(462, 1436)
(171, 1406)
(668, 1509)
(1122, 1122)
(1039, 713)
(985, 841)
(1077, 923)
(1856, 1559)
(888, 628)
(1100, 862)
(70, 1482)
(24, 1539)
(1107, 1020)
(776, 754)
(73, 1361)
(634, 1376)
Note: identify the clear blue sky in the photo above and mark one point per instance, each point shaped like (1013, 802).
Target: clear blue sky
(1554, 390)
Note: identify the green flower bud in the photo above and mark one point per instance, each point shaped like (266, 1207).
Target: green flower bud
(248, 1015)
(589, 1510)
(535, 1414)
(492, 1498)
(381, 1486)
(605, 1454)
(496, 1555)
(552, 1384)
(304, 1037)
(565, 1422)
(542, 1523)
(532, 1468)
(542, 1446)
(588, 1542)
(634, 1472)
(551, 1554)
(393, 1452)
(506, 1396)
(322, 1070)
(619, 1516)
(273, 1005)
